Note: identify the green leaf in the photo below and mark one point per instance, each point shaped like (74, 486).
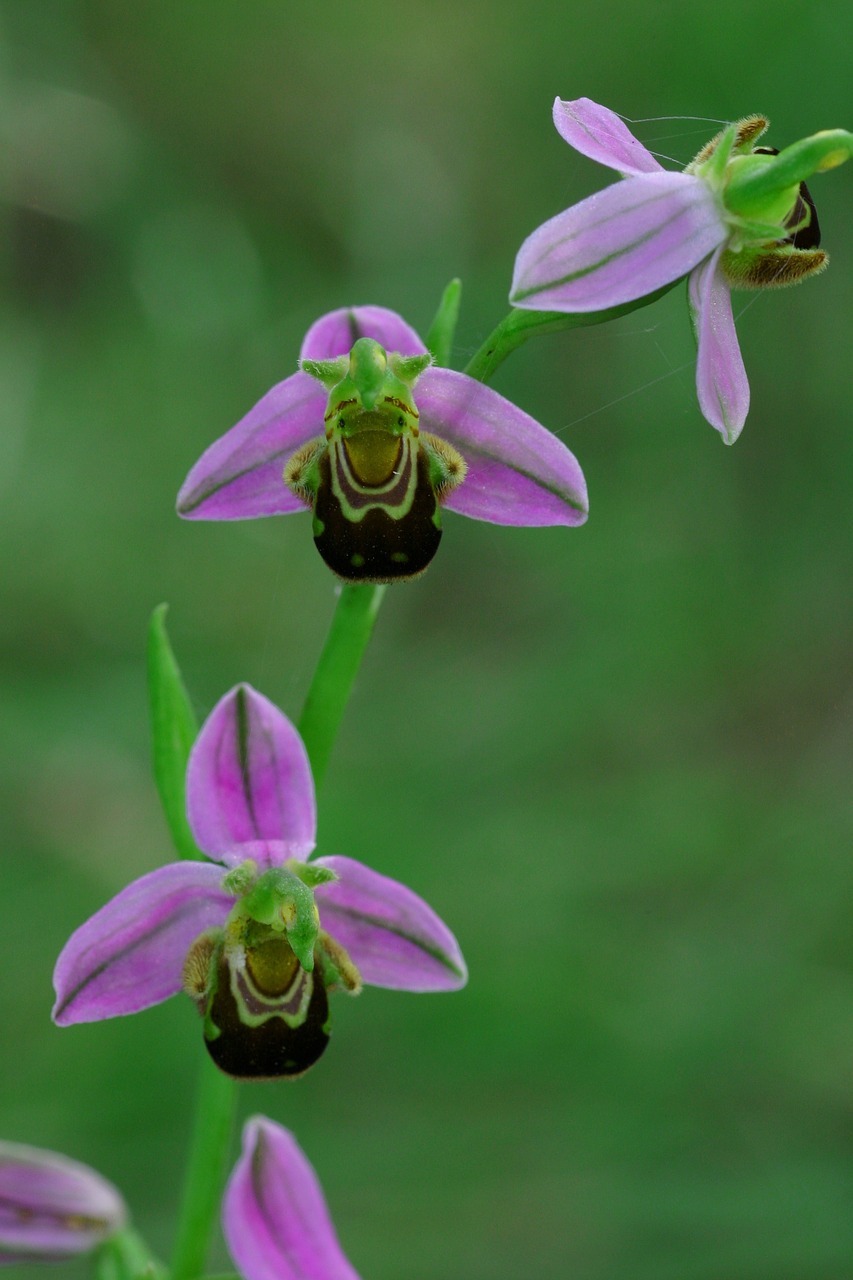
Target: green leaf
(439, 339)
(126, 1256)
(173, 732)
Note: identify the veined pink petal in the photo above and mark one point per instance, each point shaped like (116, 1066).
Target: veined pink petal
(335, 333)
(52, 1207)
(130, 954)
(721, 381)
(240, 475)
(393, 937)
(274, 1215)
(249, 780)
(518, 473)
(599, 133)
(618, 245)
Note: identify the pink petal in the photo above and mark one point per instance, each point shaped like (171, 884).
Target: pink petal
(392, 936)
(721, 381)
(596, 132)
(240, 475)
(618, 245)
(52, 1207)
(249, 781)
(274, 1214)
(518, 473)
(334, 334)
(130, 954)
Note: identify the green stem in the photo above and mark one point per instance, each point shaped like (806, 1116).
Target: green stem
(205, 1175)
(520, 325)
(337, 668)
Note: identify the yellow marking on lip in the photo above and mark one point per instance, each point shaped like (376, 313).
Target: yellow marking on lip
(373, 456)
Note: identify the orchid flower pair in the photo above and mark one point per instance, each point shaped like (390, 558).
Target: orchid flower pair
(257, 946)
(739, 216)
(376, 440)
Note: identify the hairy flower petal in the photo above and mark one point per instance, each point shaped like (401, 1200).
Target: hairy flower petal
(518, 473)
(393, 937)
(240, 475)
(335, 333)
(618, 245)
(52, 1207)
(599, 133)
(130, 954)
(721, 381)
(274, 1214)
(249, 780)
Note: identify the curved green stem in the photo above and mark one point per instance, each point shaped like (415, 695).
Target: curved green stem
(520, 325)
(205, 1174)
(352, 624)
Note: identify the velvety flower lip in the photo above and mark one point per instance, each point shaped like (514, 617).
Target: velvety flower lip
(52, 1207)
(518, 473)
(251, 806)
(719, 225)
(274, 1214)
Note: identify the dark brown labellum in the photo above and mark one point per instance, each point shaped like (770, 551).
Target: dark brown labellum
(807, 237)
(268, 1020)
(370, 532)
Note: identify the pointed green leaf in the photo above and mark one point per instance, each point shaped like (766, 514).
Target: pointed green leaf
(439, 339)
(173, 732)
(126, 1256)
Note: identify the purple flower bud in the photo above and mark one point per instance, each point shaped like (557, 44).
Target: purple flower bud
(274, 1214)
(52, 1207)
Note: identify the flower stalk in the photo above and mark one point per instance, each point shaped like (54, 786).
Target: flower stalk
(516, 327)
(337, 667)
(205, 1173)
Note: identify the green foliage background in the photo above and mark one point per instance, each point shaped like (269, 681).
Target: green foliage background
(616, 760)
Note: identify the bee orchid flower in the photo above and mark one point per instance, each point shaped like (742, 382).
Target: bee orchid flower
(738, 216)
(376, 441)
(259, 935)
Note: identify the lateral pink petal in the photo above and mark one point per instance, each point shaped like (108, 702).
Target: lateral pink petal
(130, 954)
(518, 473)
(249, 781)
(599, 133)
(274, 1215)
(721, 382)
(240, 475)
(394, 938)
(334, 334)
(618, 245)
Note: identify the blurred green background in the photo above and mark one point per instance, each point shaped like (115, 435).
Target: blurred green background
(643, 727)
